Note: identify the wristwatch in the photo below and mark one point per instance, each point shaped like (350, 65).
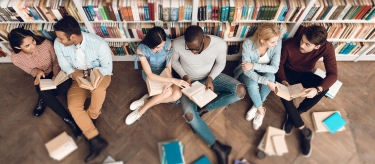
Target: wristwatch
(318, 91)
(85, 73)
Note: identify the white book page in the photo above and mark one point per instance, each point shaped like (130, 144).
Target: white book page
(84, 81)
(46, 84)
(195, 87)
(203, 97)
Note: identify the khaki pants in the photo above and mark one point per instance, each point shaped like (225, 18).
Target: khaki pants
(76, 99)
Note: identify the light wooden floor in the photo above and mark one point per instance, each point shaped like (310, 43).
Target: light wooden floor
(22, 136)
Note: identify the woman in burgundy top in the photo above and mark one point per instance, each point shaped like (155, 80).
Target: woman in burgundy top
(35, 55)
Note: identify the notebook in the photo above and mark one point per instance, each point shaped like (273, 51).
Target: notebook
(334, 122)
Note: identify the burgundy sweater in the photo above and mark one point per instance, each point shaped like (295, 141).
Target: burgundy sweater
(292, 58)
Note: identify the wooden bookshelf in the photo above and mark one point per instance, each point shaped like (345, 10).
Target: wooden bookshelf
(292, 27)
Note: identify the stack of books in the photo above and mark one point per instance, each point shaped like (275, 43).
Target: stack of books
(329, 121)
(334, 88)
(273, 142)
(61, 146)
(171, 152)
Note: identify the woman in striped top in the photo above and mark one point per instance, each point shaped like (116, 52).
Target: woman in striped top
(36, 56)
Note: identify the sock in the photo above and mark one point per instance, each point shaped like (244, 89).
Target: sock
(305, 131)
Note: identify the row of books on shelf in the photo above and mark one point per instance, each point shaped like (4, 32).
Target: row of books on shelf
(129, 48)
(138, 10)
(240, 10)
(345, 30)
(38, 10)
(342, 10)
(346, 48)
(138, 31)
(237, 30)
(41, 29)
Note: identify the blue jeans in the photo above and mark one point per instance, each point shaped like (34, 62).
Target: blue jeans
(223, 84)
(155, 70)
(256, 95)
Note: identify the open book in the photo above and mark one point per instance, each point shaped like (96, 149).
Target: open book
(289, 93)
(198, 93)
(95, 78)
(47, 84)
(156, 87)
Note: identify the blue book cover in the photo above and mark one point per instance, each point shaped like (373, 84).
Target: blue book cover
(202, 160)
(173, 153)
(334, 122)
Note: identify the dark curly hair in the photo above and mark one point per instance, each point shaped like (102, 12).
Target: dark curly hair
(68, 25)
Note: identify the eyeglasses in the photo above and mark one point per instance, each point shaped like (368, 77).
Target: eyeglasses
(201, 47)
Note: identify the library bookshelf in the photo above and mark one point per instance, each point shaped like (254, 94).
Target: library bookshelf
(306, 12)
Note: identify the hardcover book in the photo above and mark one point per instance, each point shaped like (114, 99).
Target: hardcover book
(198, 93)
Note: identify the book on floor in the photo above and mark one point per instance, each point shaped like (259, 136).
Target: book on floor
(334, 122)
(95, 78)
(48, 84)
(171, 152)
(273, 146)
(318, 118)
(202, 160)
(332, 92)
(291, 92)
(198, 93)
(110, 160)
(156, 87)
(61, 146)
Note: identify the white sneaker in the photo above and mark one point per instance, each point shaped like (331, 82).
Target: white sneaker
(138, 103)
(257, 122)
(251, 113)
(132, 117)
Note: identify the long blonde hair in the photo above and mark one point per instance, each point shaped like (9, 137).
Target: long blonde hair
(265, 31)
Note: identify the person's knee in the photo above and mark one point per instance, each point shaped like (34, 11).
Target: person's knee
(189, 116)
(241, 90)
(176, 95)
(167, 93)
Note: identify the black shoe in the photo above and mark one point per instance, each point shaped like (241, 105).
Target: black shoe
(39, 109)
(77, 132)
(202, 111)
(94, 122)
(288, 125)
(222, 152)
(97, 144)
(306, 147)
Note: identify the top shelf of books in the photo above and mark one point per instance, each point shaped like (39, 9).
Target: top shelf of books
(41, 11)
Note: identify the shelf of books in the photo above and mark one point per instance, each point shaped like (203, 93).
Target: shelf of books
(123, 23)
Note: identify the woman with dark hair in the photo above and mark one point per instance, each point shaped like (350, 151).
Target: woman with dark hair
(154, 52)
(36, 56)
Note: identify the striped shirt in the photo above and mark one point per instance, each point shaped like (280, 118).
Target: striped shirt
(44, 59)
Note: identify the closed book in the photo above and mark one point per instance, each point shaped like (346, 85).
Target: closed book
(334, 122)
(61, 146)
(318, 117)
(202, 160)
(173, 153)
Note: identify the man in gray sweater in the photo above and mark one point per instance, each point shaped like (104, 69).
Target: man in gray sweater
(199, 57)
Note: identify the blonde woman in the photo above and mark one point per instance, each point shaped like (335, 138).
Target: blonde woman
(260, 62)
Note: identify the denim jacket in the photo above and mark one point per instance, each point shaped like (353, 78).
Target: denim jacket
(96, 50)
(155, 59)
(250, 54)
